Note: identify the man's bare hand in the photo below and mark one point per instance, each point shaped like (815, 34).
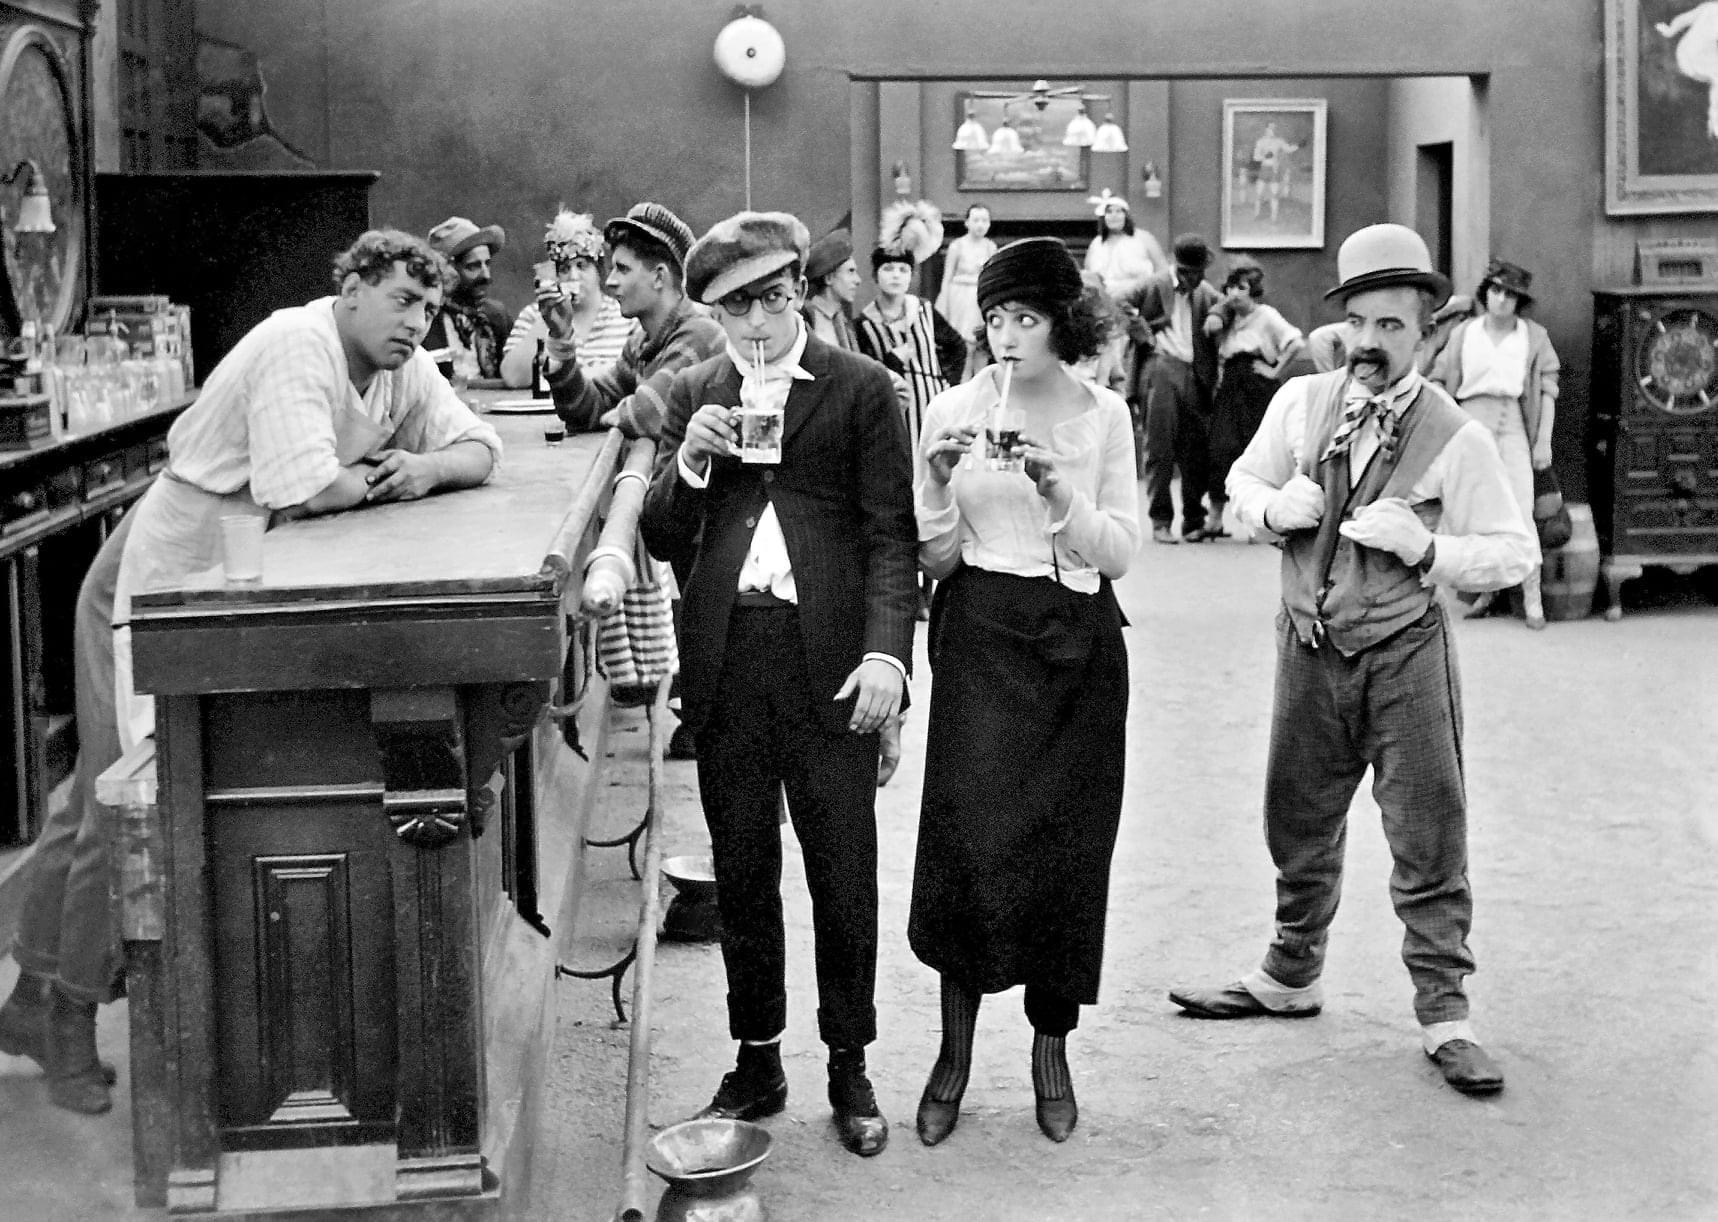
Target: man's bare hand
(709, 434)
(879, 688)
(403, 476)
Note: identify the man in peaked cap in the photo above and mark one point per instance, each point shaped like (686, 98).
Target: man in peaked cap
(472, 326)
(1381, 489)
(646, 276)
(832, 284)
(796, 632)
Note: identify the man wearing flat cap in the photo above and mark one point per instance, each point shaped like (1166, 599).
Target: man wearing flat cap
(832, 284)
(647, 271)
(796, 631)
(1381, 489)
(472, 327)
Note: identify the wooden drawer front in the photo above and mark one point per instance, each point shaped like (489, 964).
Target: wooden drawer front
(23, 507)
(104, 475)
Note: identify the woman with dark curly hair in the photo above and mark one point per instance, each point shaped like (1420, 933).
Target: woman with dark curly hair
(1028, 508)
(1255, 346)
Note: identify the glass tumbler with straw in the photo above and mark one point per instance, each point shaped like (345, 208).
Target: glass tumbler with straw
(1002, 431)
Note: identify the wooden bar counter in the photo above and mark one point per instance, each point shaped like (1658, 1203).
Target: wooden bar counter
(366, 826)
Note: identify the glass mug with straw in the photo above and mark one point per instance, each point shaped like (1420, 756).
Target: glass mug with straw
(1002, 427)
(760, 424)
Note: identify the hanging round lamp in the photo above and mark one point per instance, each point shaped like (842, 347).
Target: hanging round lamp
(749, 51)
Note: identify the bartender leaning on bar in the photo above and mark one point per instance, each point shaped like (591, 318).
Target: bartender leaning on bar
(323, 407)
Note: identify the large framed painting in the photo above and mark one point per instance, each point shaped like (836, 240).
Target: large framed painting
(1043, 163)
(1273, 180)
(1661, 106)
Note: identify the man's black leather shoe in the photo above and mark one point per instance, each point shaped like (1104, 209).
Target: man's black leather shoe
(742, 1097)
(858, 1122)
(1467, 1067)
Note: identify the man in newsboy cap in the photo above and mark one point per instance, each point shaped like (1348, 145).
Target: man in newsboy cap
(1381, 489)
(796, 632)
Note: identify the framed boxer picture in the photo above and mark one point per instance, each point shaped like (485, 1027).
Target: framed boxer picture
(1661, 106)
(1273, 179)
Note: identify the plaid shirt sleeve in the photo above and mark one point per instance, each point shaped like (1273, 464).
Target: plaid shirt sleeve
(696, 339)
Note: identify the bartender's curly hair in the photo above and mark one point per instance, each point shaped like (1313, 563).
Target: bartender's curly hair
(376, 251)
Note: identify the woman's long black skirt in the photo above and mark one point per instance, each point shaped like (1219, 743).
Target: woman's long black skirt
(1023, 783)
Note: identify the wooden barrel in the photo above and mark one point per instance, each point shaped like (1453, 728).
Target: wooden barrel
(1572, 571)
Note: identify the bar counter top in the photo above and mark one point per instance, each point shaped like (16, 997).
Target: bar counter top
(504, 536)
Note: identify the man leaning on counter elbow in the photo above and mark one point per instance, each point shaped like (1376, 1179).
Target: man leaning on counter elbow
(327, 406)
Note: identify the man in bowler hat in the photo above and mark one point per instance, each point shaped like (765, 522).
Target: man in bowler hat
(796, 631)
(1381, 489)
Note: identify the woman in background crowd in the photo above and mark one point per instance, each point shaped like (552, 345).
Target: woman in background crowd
(1125, 256)
(902, 330)
(1256, 345)
(1503, 371)
(576, 246)
(957, 300)
(1027, 734)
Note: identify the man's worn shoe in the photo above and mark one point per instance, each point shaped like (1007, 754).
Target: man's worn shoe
(1057, 1117)
(858, 1122)
(741, 1098)
(75, 1078)
(24, 1033)
(937, 1118)
(1467, 1067)
(1235, 1002)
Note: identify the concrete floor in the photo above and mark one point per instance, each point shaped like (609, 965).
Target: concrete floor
(1594, 846)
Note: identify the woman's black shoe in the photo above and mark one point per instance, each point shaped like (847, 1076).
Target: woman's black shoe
(1057, 1117)
(937, 1118)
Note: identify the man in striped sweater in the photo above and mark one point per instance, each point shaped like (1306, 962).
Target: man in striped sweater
(648, 251)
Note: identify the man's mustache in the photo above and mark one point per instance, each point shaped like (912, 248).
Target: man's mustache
(1377, 356)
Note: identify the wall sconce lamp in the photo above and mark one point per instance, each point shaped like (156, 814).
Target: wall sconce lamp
(1152, 180)
(1105, 137)
(35, 215)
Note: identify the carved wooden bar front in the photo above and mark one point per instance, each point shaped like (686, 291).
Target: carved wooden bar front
(366, 831)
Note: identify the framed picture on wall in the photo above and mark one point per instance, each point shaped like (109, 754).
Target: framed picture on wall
(1661, 106)
(1273, 173)
(1043, 162)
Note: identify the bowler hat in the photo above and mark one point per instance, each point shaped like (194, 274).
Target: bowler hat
(1510, 277)
(456, 235)
(1383, 257)
(746, 247)
(828, 253)
(657, 223)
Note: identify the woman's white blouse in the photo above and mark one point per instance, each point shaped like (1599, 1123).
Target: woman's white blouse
(996, 520)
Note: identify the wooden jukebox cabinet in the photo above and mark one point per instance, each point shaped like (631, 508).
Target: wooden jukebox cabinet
(1653, 437)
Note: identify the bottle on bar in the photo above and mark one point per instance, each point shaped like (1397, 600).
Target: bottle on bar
(539, 387)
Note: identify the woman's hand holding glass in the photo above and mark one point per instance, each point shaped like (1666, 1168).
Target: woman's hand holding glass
(1042, 469)
(944, 452)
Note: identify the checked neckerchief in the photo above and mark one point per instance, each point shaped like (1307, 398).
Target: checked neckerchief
(1388, 408)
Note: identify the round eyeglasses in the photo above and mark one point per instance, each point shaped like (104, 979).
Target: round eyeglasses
(774, 300)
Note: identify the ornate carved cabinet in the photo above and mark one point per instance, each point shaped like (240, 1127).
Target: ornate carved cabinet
(1653, 435)
(353, 973)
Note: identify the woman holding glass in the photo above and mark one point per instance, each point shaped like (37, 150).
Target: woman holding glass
(575, 245)
(1027, 508)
